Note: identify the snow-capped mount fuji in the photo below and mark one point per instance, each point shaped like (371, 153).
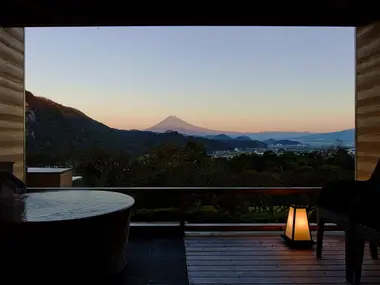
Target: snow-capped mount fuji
(174, 123)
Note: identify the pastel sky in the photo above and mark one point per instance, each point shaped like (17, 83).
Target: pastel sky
(223, 78)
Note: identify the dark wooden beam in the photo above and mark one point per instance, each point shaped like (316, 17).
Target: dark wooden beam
(141, 13)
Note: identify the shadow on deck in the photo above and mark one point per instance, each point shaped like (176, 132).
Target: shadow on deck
(154, 261)
(264, 259)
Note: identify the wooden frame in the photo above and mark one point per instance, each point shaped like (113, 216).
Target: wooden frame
(367, 99)
(12, 98)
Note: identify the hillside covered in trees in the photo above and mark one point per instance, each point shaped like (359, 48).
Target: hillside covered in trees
(190, 165)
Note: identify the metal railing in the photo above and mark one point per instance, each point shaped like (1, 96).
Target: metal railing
(183, 192)
(193, 190)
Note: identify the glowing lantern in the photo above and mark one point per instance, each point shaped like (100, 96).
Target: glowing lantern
(297, 230)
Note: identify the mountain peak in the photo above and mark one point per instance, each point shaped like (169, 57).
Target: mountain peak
(172, 118)
(174, 123)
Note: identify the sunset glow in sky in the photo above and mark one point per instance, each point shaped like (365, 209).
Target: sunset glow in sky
(223, 78)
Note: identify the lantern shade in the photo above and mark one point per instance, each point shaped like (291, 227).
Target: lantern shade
(297, 230)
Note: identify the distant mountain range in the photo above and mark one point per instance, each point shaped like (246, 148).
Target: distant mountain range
(347, 136)
(282, 142)
(174, 123)
(57, 129)
(223, 137)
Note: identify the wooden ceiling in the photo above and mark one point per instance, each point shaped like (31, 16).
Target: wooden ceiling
(31, 13)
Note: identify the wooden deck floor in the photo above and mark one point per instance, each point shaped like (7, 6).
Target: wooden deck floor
(264, 259)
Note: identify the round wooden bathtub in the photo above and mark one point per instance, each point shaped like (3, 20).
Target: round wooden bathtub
(71, 235)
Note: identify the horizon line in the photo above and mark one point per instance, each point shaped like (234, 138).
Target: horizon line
(238, 132)
(244, 132)
(213, 130)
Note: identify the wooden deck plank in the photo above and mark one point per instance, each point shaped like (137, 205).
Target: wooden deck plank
(264, 259)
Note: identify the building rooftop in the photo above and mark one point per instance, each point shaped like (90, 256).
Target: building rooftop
(46, 170)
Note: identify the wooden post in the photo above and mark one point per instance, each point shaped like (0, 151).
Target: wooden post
(12, 95)
(367, 99)
(182, 210)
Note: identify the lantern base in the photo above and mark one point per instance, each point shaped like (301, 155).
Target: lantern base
(298, 244)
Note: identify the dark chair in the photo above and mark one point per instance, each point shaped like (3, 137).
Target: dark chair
(364, 227)
(351, 204)
(336, 204)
